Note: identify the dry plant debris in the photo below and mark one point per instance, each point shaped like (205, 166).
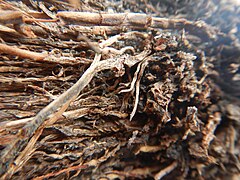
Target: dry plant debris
(119, 90)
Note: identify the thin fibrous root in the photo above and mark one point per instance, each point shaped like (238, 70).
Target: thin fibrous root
(136, 83)
(143, 66)
(4, 48)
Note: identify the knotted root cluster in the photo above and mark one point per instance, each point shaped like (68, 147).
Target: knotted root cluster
(102, 95)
